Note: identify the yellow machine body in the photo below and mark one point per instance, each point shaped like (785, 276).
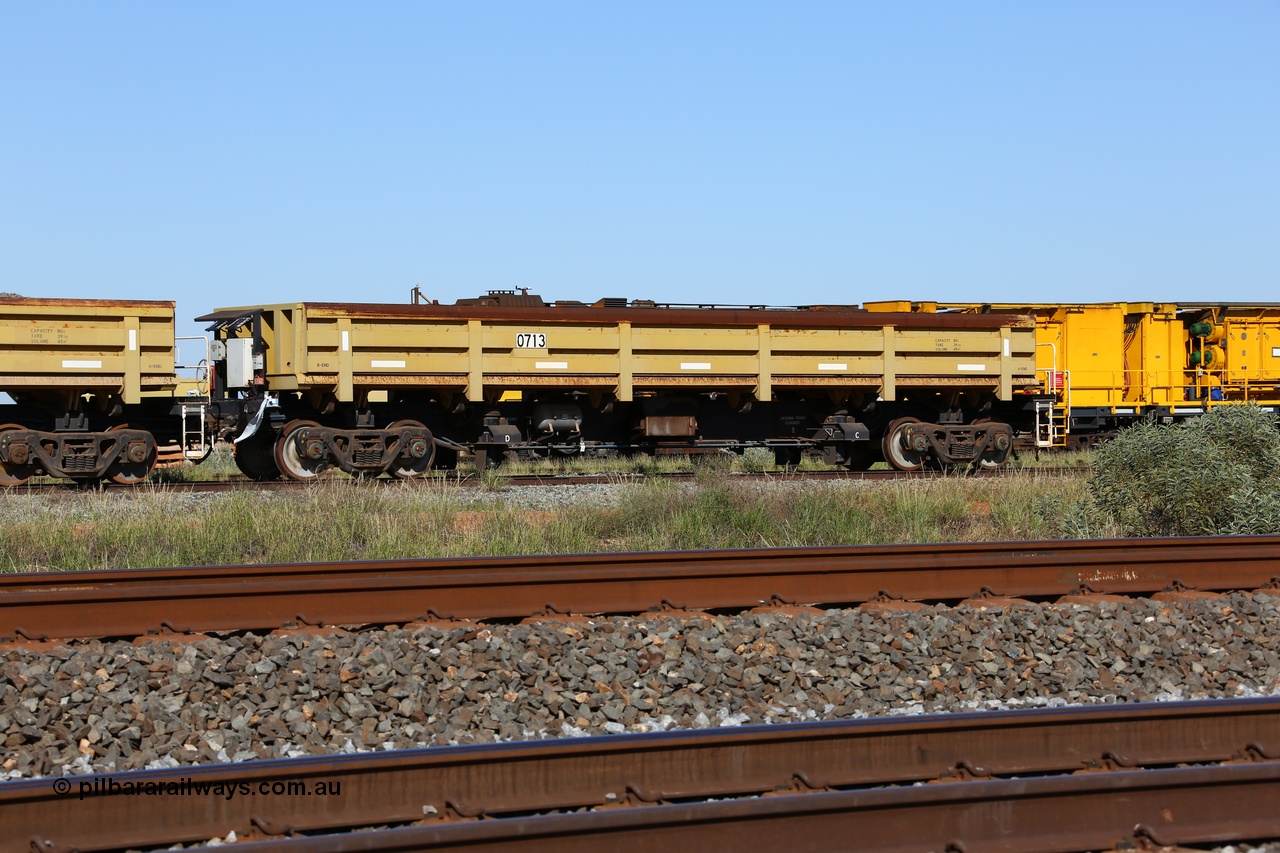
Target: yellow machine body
(1128, 359)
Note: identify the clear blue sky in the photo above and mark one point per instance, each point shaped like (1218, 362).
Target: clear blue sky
(224, 154)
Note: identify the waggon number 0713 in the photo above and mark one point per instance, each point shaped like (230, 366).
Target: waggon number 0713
(531, 340)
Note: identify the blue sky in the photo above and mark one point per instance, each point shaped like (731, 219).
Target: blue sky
(227, 154)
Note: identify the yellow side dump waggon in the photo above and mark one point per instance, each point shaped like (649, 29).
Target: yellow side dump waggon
(511, 374)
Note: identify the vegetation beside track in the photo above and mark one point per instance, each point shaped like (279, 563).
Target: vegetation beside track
(1213, 475)
(339, 520)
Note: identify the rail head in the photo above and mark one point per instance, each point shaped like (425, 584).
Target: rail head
(135, 602)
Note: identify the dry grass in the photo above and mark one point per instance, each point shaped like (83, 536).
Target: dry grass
(723, 513)
(341, 520)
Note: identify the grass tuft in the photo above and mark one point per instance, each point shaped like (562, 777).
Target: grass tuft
(342, 520)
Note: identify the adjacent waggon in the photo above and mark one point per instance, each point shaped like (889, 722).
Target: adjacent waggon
(93, 384)
(1106, 365)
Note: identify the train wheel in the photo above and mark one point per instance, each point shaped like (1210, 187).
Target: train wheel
(408, 467)
(894, 445)
(132, 471)
(295, 464)
(255, 457)
(12, 474)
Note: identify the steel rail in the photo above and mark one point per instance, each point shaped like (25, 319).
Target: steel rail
(132, 602)
(537, 776)
(1062, 814)
(235, 484)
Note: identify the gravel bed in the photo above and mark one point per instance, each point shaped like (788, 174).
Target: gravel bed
(548, 498)
(609, 495)
(98, 506)
(98, 706)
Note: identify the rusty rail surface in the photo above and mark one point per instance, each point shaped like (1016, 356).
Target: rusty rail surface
(132, 602)
(510, 780)
(1145, 809)
(236, 483)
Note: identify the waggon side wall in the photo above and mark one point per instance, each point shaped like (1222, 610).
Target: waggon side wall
(86, 345)
(479, 351)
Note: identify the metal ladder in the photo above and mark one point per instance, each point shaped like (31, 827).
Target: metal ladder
(1051, 424)
(1053, 416)
(195, 443)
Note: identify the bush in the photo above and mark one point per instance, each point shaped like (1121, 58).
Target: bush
(1075, 517)
(1217, 474)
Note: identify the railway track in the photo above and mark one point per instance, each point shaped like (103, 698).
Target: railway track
(1121, 811)
(131, 602)
(1020, 781)
(528, 480)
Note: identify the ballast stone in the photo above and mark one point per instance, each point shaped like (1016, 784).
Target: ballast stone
(117, 706)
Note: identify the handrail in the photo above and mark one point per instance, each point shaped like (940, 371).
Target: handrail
(203, 365)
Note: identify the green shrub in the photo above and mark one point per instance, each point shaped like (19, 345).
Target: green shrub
(1217, 474)
(1244, 435)
(1074, 517)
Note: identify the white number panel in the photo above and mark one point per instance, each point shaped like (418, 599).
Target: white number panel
(531, 340)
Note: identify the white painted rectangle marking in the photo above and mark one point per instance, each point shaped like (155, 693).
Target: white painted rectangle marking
(385, 363)
(695, 365)
(551, 365)
(81, 363)
(1124, 411)
(833, 367)
(133, 339)
(1188, 411)
(531, 340)
(971, 367)
(346, 341)
(1006, 346)
(1275, 352)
